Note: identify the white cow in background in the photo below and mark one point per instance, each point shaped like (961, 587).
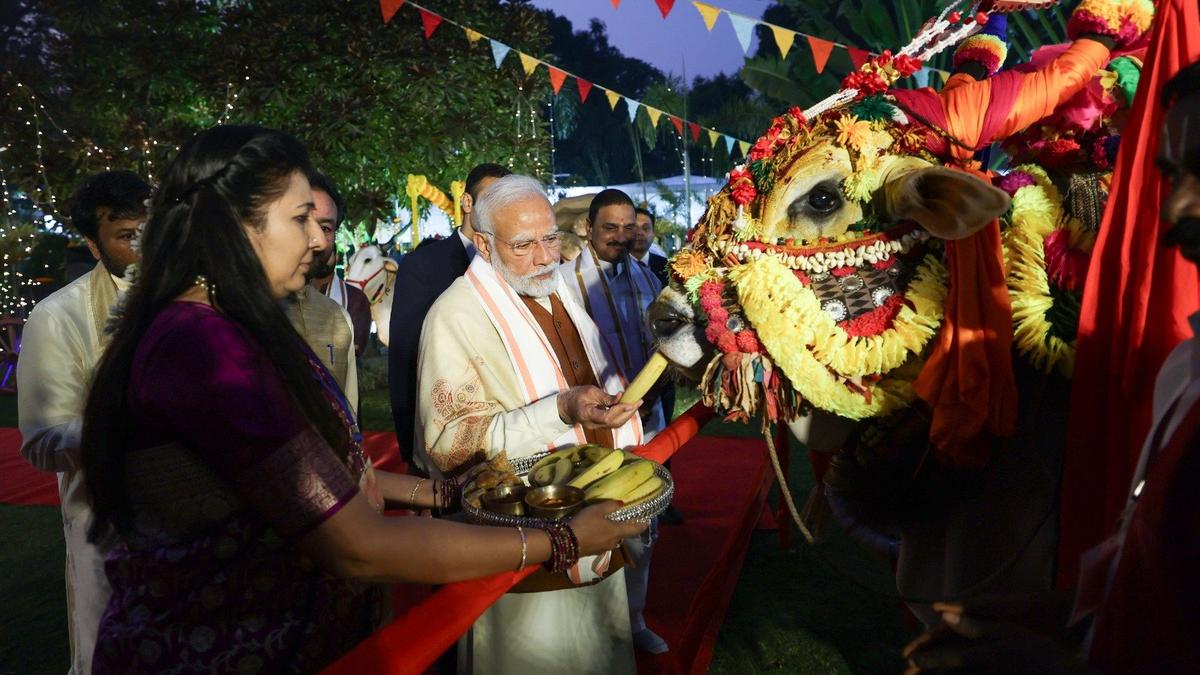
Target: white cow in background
(374, 271)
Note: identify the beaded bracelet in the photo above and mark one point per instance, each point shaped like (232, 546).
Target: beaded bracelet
(446, 494)
(564, 547)
(412, 498)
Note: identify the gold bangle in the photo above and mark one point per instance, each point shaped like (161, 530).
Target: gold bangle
(524, 547)
(412, 499)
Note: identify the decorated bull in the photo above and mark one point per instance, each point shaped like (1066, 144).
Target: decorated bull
(374, 272)
(850, 281)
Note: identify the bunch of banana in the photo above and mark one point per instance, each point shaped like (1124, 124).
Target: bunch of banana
(602, 472)
(633, 483)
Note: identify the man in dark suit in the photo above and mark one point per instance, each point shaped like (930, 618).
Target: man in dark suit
(421, 277)
(643, 237)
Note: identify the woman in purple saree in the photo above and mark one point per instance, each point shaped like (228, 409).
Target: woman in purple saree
(223, 463)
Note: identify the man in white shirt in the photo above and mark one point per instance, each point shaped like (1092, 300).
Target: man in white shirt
(510, 363)
(422, 276)
(62, 342)
(329, 211)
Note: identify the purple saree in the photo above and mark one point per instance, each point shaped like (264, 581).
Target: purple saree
(224, 479)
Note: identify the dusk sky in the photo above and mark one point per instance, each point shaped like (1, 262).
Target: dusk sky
(638, 30)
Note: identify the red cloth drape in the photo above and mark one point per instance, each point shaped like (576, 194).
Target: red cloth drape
(1135, 307)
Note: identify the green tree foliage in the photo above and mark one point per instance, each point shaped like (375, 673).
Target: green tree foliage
(373, 102)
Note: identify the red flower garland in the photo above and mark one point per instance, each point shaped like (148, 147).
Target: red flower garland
(717, 332)
(741, 185)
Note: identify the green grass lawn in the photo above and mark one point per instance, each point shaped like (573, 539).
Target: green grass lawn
(801, 610)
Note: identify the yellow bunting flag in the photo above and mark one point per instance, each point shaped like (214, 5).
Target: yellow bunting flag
(709, 13)
(654, 114)
(713, 137)
(613, 97)
(783, 39)
(745, 147)
(473, 36)
(945, 76)
(528, 63)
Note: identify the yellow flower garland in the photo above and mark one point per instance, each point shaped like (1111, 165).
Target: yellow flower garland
(1036, 213)
(818, 356)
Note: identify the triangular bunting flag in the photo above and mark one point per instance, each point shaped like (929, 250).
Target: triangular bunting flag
(945, 75)
(473, 36)
(616, 4)
(585, 88)
(695, 129)
(557, 77)
(858, 57)
(678, 122)
(528, 63)
(820, 51)
(654, 114)
(783, 39)
(708, 12)
(429, 21)
(713, 137)
(388, 8)
(744, 146)
(922, 77)
(729, 145)
(499, 51)
(633, 108)
(744, 27)
(613, 98)
(665, 6)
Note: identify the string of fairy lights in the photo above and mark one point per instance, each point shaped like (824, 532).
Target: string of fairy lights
(527, 123)
(17, 239)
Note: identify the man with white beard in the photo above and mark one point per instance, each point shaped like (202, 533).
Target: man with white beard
(508, 362)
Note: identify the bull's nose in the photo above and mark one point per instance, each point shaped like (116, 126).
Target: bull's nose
(666, 325)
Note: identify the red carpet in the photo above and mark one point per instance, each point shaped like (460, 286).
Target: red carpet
(721, 485)
(20, 483)
(720, 488)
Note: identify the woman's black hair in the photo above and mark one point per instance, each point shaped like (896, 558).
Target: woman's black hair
(221, 182)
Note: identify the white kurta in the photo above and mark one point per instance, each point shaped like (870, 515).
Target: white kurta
(60, 347)
(470, 400)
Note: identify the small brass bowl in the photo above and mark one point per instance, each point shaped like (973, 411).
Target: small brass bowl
(506, 499)
(554, 501)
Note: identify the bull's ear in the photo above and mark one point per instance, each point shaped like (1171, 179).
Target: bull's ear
(949, 204)
(390, 264)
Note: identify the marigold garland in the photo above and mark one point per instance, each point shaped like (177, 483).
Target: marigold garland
(1037, 214)
(820, 358)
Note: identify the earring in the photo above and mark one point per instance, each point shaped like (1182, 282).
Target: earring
(202, 282)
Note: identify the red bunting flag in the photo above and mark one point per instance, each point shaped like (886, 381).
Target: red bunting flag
(665, 6)
(557, 77)
(858, 57)
(616, 3)
(695, 129)
(389, 8)
(430, 21)
(678, 124)
(585, 88)
(820, 51)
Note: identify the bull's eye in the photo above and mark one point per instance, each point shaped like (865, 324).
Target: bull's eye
(823, 200)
